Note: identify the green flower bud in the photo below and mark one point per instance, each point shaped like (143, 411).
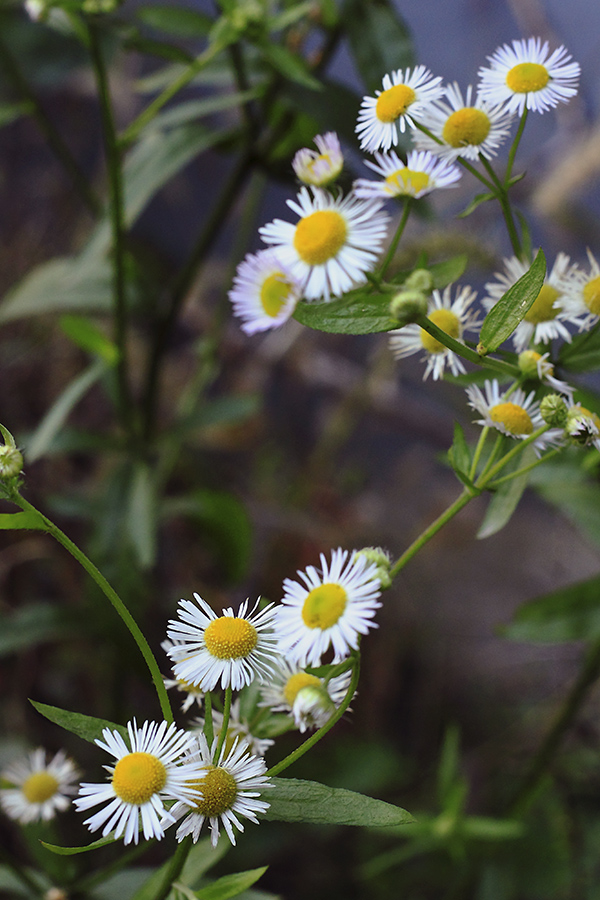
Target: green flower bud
(528, 363)
(381, 559)
(419, 280)
(11, 462)
(408, 306)
(554, 410)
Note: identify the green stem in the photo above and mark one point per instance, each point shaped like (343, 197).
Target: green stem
(485, 478)
(174, 870)
(316, 737)
(117, 221)
(501, 192)
(396, 240)
(109, 592)
(462, 350)
(478, 451)
(491, 485)
(225, 725)
(460, 160)
(209, 733)
(492, 456)
(514, 146)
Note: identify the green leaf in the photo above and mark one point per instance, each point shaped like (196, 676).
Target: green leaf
(142, 515)
(564, 484)
(57, 415)
(569, 614)
(230, 885)
(332, 109)
(33, 624)
(583, 353)
(293, 800)
(229, 410)
(202, 857)
(477, 200)
(485, 829)
(192, 110)
(379, 39)
(506, 314)
(28, 520)
(177, 20)
(459, 454)
(86, 727)
(72, 851)
(355, 313)
(86, 335)
(10, 112)
(290, 65)
(448, 271)
(162, 49)
(505, 498)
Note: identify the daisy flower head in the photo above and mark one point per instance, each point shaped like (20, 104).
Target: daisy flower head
(516, 415)
(406, 96)
(146, 772)
(322, 166)
(327, 609)
(38, 788)
(228, 789)
(525, 76)
(334, 243)
(230, 649)
(582, 293)
(548, 317)
(537, 366)
(422, 173)
(454, 316)
(238, 728)
(310, 700)
(583, 426)
(193, 694)
(466, 127)
(264, 293)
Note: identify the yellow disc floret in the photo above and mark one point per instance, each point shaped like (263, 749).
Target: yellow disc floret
(230, 638)
(466, 126)
(514, 418)
(407, 181)
(543, 308)
(320, 236)
(526, 77)
(448, 322)
(394, 102)
(218, 792)
(39, 787)
(137, 777)
(274, 292)
(296, 683)
(591, 295)
(324, 606)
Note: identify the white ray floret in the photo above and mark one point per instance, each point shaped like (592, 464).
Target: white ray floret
(422, 173)
(513, 413)
(581, 293)
(310, 700)
(38, 788)
(322, 166)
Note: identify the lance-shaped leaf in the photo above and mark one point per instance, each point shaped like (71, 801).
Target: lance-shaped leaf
(73, 851)
(86, 727)
(569, 614)
(512, 308)
(229, 885)
(356, 313)
(294, 800)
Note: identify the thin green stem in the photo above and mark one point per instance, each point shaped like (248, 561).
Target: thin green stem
(396, 239)
(485, 479)
(491, 485)
(316, 737)
(461, 350)
(109, 592)
(478, 451)
(463, 162)
(174, 870)
(514, 146)
(208, 719)
(224, 725)
(492, 456)
(501, 192)
(117, 221)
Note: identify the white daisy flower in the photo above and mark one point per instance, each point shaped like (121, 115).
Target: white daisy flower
(547, 318)
(237, 729)
(230, 649)
(404, 98)
(39, 789)
(322, 167)
(146, 773)
(330, 609)
(193, 694)
(452, 316)
(264, 293)
(581, 293)
(524, 76)
(333, 245)
(310, 700)
(583, 426)
(422, 173)
(536, 365)
(516, 414)
(229, 789)
(465, 127)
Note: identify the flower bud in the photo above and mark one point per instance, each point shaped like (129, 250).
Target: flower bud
(528, 363)
(553, 410)
(419, 280)
(582, 426)
(381, 559)
(313, 707)
(11, 462)
(408, 306)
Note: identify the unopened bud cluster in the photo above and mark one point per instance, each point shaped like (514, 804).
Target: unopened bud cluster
(381, 559)
(553, 410)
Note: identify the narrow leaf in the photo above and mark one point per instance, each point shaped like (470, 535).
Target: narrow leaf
(290, 65)
(379, 39)
(33, 624)
(504, 317)
(177, 20)
(356, 313)
(505, 499)
(294, 800)
(89, 337)
(141, 515)
(72, 851)
(459, 454)
(477, 200)
(448, 271)
(21, 520)
(86, 727)
(61, 285)
(230, 885)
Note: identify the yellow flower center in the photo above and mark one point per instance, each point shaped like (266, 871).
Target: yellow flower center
(39, 787)
(514, 418)
(320, 236)
(448, 322)
(230, 638)
(273, 293)
(219, 790)
(407, 181)
(137, 777)
(324, 605)
(295, 684)
(526, 77)
(543, 309)
(466, 126)
(591, 296)
(394, 102)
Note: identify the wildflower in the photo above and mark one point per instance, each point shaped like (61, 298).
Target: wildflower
(536, 365)
(422, 174)
(546, 319)
(230, 649)
(238, 728)
(38, 789)
(514, 414)
(524, 76)
(333, 245)
(323, 167)
(264, 293)
(309, 699)
(193, 694)
(452, 316)
(583, 426)
(405, 96)
(463, 126)
(582, 293)
(226, 789)
(330, 609)
(146, 773)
